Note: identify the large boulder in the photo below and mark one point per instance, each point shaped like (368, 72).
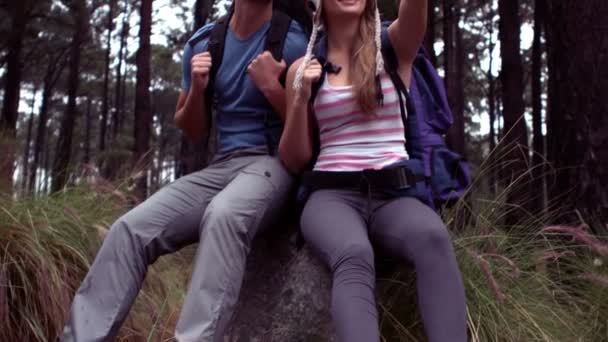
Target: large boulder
(285, 295)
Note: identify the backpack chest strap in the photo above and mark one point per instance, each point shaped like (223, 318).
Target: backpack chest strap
(277, 34)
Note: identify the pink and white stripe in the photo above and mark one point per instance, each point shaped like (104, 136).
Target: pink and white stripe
(353, 141)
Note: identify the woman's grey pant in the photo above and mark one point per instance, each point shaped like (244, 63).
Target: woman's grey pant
(342, 225)
(222, 207)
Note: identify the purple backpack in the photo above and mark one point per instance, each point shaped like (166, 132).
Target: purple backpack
(428, 118)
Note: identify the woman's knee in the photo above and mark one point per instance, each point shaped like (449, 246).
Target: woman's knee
(354, 260)
(433, 239)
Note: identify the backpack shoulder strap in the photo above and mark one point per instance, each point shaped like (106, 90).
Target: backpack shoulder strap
(217, 39)
(320, 53)
(277, 34)
(391, 65)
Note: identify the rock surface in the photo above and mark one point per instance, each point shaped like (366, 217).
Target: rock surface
(285, 295)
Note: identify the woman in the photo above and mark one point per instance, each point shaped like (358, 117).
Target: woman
(357, 131)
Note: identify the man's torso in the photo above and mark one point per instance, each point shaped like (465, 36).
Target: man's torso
(243, 115)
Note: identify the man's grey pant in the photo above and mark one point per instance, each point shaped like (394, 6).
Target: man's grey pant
(222, 207)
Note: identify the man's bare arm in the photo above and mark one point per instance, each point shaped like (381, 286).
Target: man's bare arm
(265, 71)
(191, 113)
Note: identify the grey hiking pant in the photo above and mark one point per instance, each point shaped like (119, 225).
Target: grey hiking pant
(222, 207)
(342, 225)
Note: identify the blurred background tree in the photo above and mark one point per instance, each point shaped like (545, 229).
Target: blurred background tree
(88, 90)
(76, 77)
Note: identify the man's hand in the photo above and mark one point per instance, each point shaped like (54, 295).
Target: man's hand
(201, 67)
(265, 71)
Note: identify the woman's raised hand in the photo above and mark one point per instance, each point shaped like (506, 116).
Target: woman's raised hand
(312, 74)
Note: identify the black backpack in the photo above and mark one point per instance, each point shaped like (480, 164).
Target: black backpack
(284, 12)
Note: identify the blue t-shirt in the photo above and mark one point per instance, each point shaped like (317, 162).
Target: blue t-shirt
(243, 114)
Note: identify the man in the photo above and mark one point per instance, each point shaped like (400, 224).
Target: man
(222, 207)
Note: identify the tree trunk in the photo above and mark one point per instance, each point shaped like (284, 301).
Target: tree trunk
(112, 166)
(46, 161)
(143, 115)
(118, 103)
(202, 12)
(577, 42)
(431, 32)
(64, 141)
(192, 155)
(537, 107)
(453, 73)
(491, 99)
(105, 104)
(87, 134)
(53, 73)
(12, 90)
(511, 76)
(28, 144)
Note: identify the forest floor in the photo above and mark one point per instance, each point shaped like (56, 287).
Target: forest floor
(548, 284)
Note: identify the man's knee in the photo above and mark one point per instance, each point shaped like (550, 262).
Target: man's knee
(226, 222)
(130, 235)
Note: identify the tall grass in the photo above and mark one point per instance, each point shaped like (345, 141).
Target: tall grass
(524, 282)
(47, 244)
(536, 283)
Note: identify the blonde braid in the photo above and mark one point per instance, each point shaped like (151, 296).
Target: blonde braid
(297, 82)
(316, 27)
(378, 39)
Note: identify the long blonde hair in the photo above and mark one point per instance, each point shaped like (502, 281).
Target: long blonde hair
(367, 60)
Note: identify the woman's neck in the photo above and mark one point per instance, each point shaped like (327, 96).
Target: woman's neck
(343, 36)
(249, 16)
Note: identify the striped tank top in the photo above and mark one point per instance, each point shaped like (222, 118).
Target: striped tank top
(353, 141)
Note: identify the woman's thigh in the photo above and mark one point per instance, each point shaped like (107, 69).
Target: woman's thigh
(332, 223)
(404, 227)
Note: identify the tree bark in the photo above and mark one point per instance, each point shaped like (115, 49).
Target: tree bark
(105, 98)
(454, 74)
(113, 165)
(118, 103)
(515, 138)
(12, 90)
(537, 107)
(192, 155)
(46, 160)
(64, 141)
(202, 12)
(28, 144)
(431, 32)
(491, 100)
(143, 115)
(53, 72)
(577, 42)
(87, 134)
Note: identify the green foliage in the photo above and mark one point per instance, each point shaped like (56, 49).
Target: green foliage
(532, 286)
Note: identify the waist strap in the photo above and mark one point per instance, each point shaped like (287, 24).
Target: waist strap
(397, 178)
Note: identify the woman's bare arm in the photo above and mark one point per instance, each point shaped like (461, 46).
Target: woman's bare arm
(296, 146)
(407, 32)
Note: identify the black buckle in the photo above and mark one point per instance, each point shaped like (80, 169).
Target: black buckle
(403, 178)
(366, 180)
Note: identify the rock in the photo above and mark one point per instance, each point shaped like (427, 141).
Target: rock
(285, 296)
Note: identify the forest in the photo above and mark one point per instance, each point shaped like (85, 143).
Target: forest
(88, 92)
